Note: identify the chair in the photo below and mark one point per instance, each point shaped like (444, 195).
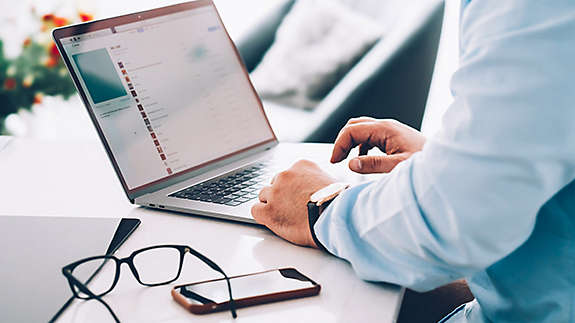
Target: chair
(391, 81)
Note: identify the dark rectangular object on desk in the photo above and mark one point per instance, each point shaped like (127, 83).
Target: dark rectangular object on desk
(35, 248)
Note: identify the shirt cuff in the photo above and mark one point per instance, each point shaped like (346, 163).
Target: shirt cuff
(335, 211)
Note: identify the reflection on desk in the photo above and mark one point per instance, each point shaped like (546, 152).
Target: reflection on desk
(4, 141)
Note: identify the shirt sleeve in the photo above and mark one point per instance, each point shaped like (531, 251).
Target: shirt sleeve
(472, 195)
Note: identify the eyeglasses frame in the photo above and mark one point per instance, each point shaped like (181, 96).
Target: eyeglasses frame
(68, 270)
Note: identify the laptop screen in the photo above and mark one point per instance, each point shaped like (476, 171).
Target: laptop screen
(169, 93)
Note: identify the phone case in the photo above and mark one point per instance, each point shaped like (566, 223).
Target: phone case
(248, 301)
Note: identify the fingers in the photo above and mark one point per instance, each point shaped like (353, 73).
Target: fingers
(376, 164)
(259, 213)
(364, 149)
(364, 133)
(360, 120)
(265, 194)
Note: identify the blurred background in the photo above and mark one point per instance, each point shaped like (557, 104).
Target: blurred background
(315, 63)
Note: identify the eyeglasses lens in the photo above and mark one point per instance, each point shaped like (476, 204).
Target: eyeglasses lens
(158, 265)
(103, 281)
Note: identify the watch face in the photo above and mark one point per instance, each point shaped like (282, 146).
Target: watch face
(328, 193)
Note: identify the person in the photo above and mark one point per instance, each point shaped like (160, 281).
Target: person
(490, 198)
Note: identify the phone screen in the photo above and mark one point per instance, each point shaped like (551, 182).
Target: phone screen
(275, 281)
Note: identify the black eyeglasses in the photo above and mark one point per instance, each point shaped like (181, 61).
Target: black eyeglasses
(80, 272)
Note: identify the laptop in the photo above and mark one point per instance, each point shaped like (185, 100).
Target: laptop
(175, 109)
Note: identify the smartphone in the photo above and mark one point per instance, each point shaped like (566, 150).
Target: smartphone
(248, 290)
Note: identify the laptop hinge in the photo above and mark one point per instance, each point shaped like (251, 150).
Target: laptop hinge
(186, 176)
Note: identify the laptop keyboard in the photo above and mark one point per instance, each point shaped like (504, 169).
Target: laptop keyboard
(231, 189)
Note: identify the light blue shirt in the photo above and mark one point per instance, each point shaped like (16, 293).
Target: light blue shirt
(491, 198)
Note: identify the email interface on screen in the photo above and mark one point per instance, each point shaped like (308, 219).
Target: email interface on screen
(168, 93)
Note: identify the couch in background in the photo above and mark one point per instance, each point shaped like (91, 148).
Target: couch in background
(391, 80)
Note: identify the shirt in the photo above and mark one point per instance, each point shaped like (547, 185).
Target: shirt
(491, 198)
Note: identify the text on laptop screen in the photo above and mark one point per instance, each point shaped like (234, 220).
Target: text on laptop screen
(168, 93)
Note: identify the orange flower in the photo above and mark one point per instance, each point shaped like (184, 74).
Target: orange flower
(60, 21)
(54, 51)
(28, 81)
(9, 83)
(51, 62)
(27, 42)
(48, 17)
(50, 21)
(85, 16)
(38, 98)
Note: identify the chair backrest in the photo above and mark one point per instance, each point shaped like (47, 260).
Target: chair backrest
(385, 12)
(392, 80)
(261, 36)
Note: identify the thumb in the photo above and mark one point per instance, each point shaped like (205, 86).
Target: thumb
(376, 164)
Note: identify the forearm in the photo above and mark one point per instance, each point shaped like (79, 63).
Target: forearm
(423, 226)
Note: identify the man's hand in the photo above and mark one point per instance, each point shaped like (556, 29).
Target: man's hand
(283, 205)
(397, 140)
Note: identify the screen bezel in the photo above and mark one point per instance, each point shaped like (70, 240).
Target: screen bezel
(78, 29)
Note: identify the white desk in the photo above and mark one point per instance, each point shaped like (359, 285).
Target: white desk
(75, 179)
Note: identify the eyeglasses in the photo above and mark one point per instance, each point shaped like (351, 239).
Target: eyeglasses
(81, 272)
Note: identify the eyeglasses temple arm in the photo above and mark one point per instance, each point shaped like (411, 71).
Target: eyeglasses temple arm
(232, 302)
(217, 268)
(84, 289)
(108, 308)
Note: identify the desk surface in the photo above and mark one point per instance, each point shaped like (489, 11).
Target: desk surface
(76, 179)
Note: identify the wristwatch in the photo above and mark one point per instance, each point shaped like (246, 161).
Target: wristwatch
(318, 202)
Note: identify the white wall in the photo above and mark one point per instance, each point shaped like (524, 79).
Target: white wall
(16, 24)
(447, 61)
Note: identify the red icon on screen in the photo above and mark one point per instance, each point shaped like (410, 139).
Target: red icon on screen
(144, 116)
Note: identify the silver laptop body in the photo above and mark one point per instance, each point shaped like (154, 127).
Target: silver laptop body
(174, 107)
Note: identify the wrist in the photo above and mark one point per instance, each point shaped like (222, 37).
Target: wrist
(314, 213)
(318, 202)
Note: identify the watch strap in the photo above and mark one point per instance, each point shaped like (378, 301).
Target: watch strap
(313, 213)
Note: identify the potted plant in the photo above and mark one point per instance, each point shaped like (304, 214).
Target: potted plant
(36, 72)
